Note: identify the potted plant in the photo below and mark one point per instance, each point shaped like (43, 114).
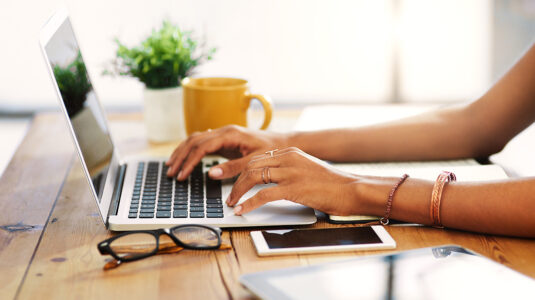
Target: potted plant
(160, 62)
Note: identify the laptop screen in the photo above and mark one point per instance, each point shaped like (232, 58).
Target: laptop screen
(81, 103)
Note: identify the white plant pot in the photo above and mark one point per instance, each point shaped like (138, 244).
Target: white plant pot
(164, 114)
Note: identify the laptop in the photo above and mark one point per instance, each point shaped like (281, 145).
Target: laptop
(134, 193)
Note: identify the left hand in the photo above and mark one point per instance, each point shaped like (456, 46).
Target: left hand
(300, 178)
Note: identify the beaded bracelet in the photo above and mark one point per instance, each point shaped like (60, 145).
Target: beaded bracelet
(385, 220)
(436, 196)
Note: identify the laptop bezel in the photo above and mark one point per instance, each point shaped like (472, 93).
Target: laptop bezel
(103, 204)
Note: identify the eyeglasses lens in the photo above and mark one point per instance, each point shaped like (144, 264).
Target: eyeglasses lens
(195, 236)
(133, 245)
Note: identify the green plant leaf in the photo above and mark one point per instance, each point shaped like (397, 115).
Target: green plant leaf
(163, 58)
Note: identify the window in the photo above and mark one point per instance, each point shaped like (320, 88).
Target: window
(296, 51)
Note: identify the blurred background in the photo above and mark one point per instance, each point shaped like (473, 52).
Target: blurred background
(297, 51)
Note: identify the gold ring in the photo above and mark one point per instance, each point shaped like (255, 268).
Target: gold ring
(264, 176)
(270, 152)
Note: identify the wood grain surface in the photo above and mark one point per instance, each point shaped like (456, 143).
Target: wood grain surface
(51, 252)
(29, 188)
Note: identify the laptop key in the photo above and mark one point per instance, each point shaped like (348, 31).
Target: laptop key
(214, 210)
(164, 208)
(197, 204)
(163, 214)
(132, 215)
(180, 214)
(214, 215)
(148, 211)
(146, 215)
(196, 215)
(200, 209)
(214, 205)
(180, 207)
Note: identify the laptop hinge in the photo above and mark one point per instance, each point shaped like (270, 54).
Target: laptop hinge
(116, 198)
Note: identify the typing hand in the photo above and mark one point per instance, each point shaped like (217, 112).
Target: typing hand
(236, 143)
(300, 178)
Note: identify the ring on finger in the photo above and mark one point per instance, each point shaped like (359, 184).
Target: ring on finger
(270, 152)
(264, 170)
(268, 175)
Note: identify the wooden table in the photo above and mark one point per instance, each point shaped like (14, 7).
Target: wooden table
(49, 229)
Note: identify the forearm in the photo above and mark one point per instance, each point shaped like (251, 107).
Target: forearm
(501, 207)
(437, 135)
(480, 129)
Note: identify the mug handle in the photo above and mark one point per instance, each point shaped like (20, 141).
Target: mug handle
(266, 104)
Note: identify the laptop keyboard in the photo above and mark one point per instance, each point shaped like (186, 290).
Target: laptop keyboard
(157, 196)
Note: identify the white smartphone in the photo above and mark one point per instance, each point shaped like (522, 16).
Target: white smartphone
(291, 241)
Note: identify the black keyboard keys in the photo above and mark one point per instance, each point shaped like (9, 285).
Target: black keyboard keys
(157, 196)
(136, 193)
(213, 188)
(165, 194)
(148, 199)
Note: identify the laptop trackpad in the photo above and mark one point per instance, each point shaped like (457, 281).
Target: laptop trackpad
(279, 211)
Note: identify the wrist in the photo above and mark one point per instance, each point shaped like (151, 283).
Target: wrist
(371, 193)
(298, 140)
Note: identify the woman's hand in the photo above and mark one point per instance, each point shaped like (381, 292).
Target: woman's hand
(236, 143)
(300, 178)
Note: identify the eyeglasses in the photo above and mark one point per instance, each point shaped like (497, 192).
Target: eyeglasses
(139, 244)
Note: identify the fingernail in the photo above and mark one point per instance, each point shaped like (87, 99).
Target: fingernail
(215, 172)
(237, 210)
(179, 175)
(169, 172)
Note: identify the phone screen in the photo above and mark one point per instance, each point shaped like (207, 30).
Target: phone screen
(296, 238)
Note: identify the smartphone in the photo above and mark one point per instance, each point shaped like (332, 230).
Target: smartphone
(294, 241)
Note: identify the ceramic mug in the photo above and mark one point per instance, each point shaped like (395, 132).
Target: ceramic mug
(214, 102)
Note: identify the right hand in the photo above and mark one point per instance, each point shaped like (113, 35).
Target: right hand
(236, 143)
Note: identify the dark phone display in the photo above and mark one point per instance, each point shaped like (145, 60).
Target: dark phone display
(297, 238)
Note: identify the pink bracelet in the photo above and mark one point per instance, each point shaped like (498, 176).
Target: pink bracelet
(436, 196)
(385, 220)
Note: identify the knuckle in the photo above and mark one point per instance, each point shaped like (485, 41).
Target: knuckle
(293, 148)
(230, 128)
(250, 174)
(193, 135)
(195, 148)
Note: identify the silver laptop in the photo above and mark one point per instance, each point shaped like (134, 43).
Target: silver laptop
(135, 193)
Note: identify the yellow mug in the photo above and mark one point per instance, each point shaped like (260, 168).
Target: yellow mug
(214, 102)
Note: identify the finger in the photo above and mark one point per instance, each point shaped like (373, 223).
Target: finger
(229, 169)
(252, 177)
(182, 151)
(189, 140)
(262, 197)
(283, 159)
(267, 154)
(273, 162)
(197, 152)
